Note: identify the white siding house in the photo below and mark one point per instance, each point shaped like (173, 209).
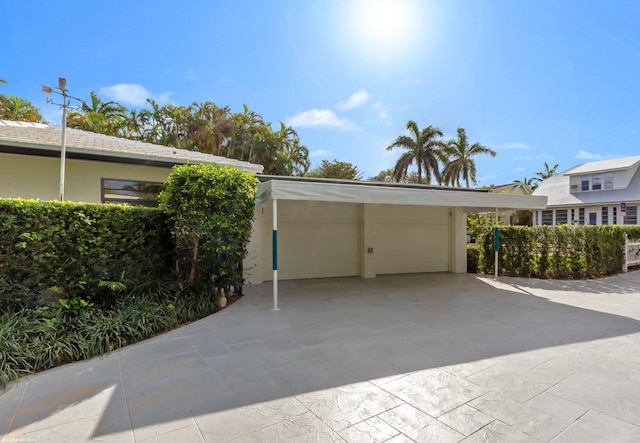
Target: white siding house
(598, 193)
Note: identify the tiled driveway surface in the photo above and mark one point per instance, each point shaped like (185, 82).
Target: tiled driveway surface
(432, 358)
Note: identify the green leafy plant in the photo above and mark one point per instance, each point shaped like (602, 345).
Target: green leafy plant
(210, 210)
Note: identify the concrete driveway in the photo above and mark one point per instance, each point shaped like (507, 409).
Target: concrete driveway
(435, 357)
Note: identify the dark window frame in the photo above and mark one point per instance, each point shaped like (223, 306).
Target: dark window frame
(132, 199)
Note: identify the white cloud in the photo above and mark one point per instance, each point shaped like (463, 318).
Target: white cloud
(584, 155)
(319, 153)
(355, 101)
(133, 94)
(321, 118)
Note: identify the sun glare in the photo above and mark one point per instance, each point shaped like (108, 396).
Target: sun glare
(384, 27)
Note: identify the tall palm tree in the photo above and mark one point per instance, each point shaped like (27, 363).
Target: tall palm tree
(19, 109)
(460, 164)
(99, 116)
(548, 172)
(424, 148)
(526, 181)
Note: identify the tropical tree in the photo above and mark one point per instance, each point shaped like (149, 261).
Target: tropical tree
(335, 169)
(423, 147)
(548, 172)
(387, 175)
(99, 116)
(526, 181)
(460, 164)
(18, 109)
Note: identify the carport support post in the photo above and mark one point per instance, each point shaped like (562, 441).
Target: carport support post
(496, 243)
(275, 255)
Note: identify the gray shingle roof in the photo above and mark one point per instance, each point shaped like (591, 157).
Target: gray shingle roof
(604, 166)
(556, 188)
(48, 138)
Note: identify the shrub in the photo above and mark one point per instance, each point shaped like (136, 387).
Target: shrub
(473, 255)
(210, 209)
(556, 251)
(49, 248)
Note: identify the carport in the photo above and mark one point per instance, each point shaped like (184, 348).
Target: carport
(318, 228)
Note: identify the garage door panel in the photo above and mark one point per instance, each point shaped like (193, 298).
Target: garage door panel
(412, 214)
(411, 247)
(318, 250)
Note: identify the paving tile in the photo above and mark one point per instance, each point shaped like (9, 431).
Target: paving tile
(559, 408)
(497, 431)
(189, 434)
(373, 430)
(434, 391)
(628, 354)
(584, 362)
(11, 399)
(400, 438)
(517, 385)
(419, 426)
(305, 428)
(344, 406)
(74, 431)
(526, 419)
(614, 398)
(465, 419)
(595, 426)
(42, 411)
(233, 423)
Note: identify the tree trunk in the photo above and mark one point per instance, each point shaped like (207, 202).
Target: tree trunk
(194, 258)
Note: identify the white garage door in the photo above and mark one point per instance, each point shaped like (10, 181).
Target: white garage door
(315, 240)
(411, 239)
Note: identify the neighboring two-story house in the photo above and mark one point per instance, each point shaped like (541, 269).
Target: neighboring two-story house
(598, 193)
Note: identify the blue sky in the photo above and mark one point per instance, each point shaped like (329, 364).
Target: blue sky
(537, 81)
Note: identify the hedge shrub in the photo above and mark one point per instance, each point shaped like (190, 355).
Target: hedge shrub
(562, 252)
(210, 211)
(55, 248)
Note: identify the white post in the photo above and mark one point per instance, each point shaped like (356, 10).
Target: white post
(275, 255)
(495, 233)
(63, 150)
(626, 252)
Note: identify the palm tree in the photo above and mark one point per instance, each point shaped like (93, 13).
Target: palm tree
(548, 172)
(526, 181)
(424, 148)
(460, 164)
(18, 109)
(99, 116)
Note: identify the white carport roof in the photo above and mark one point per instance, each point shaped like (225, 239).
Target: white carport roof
(305, 189)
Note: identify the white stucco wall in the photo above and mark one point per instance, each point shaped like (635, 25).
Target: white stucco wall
(32, 177)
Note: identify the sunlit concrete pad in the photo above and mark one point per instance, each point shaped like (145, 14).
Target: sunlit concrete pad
(404, 358)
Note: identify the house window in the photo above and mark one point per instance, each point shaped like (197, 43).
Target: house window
(133, 192)
(581, 216)
(632, 216)
(561, 217)
(585, 183)
(608, 181)
(547, 218)
(605, 215)
(596, 182)
(615, 215)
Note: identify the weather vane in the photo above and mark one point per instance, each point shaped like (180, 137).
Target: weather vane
(62, 91)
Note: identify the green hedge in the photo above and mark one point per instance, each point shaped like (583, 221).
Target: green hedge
(557, 251)
(210, 211)
(69, 248)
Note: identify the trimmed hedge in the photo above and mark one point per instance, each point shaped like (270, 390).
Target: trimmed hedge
(560, 252)
(49, 247)
(210, 211)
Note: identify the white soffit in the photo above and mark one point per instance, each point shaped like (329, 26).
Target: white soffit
(392, 195)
